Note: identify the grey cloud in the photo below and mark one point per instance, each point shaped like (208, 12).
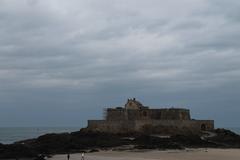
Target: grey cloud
(64, 54)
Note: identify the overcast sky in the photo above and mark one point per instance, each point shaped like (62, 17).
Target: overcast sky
(63, 61)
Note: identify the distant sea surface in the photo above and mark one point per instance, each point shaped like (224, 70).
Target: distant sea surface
(12, 134)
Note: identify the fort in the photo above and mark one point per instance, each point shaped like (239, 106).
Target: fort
(135, 117)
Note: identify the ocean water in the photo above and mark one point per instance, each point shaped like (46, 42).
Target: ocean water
(12, 134)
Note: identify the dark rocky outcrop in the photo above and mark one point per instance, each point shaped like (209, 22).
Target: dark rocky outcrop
(226, 138)
(93, 141)
(17, 150)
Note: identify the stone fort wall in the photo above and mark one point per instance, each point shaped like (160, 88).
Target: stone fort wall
(147, 114)
(135, 117)
(125, 126)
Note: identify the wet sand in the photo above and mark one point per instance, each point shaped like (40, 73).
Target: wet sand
(188, 154)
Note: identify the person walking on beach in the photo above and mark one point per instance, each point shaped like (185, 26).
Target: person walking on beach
(82, 156)
(68, 156)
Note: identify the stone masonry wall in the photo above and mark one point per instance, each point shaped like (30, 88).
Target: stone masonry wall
(147, 114)
(131, 126)
(111, 126)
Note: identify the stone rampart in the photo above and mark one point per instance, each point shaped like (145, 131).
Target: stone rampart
(147, 114)
(139, 125)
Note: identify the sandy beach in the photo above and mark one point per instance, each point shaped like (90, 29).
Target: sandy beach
(188, 154)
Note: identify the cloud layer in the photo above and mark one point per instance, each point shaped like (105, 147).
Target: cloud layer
(62, 57)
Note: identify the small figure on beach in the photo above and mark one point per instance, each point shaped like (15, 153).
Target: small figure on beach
(82, 156)
(68, 156)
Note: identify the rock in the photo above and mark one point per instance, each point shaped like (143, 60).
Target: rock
(41, 157)
(17, 150)
(226, 138)
(84, 140)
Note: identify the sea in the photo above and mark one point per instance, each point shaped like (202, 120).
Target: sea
(10, 135)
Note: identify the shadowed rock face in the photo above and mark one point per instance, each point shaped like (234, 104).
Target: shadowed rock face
(16, 150)
(226, 138)
(83, 141)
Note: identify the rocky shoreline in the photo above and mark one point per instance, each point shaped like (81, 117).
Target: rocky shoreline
(85, 141)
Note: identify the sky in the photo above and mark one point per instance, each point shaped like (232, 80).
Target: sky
(62, 62)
